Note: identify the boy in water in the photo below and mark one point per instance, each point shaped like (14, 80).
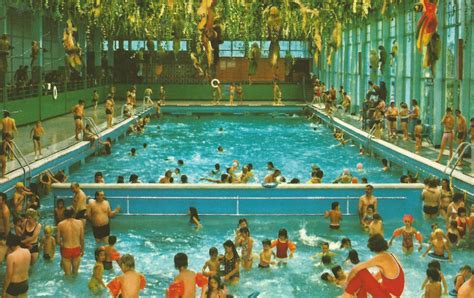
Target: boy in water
(59, 211)
(266, 254)
(439, 245)
(36, 133)
(184, 284)
(325, 251)
(111, 253)
(368, 217)
(48, 243)
(335, 216)
(212, 264)
(130, 283)
(96, 283)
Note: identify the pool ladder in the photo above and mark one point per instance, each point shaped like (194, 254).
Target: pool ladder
(21, 158)
(456, 159)
(96, 130)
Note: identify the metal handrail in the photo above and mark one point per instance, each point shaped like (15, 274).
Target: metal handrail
(22, 157)
(466, 145)
(94, 126)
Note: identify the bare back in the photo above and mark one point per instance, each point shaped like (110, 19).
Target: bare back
(70, 233)
(19, 262)
(189, 279)
(131, 284)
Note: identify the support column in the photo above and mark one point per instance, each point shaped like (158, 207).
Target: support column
(97, 43)
(110, 59)
(3, 30)
(387, 45)
(467, 88)
(84, 44)
(401, 57)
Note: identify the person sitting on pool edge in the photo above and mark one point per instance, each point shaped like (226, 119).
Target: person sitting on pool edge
(439, 245)
(184, 284)
(130, 283)
(360, 281)
(335, 215)
(407, 232)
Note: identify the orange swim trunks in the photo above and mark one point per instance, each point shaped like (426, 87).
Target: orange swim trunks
(70, 253)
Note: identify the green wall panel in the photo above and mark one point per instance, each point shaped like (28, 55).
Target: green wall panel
(24, 111)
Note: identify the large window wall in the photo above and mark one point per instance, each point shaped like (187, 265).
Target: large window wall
(405, 76)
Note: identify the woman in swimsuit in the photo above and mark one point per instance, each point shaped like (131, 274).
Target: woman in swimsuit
(231, 262)
(246, 244)
(361, 282)
(407, 232)
(453, 233)
(446, 197)
(404, 115)
(31, 233)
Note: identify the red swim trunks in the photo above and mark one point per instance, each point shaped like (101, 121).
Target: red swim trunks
(70, 253)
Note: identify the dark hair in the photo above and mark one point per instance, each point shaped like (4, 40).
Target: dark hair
(325, 276)
(294, 181)
(433, 274)
(346, 240)
(112, 240)
(418, 121)
(461, 210)
(120, 179)
(231, 244)
(377, 216)
(133, 178)
(59, 201)
(97, 252)
(217, 166)
(364, 180)
(180, 162)
(243, 220)
(69, 212)
(145, 145)
(384, 162)
(377, 243)
(266, 242)
(334, 205)
(245, 230)
(193, 213)
(213, 251)
(326, 259)
(184, 179)
(434, 264)
(98, 174)
(370, 186)
(371, 206)
(458, 196)
(325, 244)
(371, 83)
(180, 260)
(283, 233)
(13, 240)
(353, 257)
(449, 110)
(270, 164)
(465, 267)
(3, 196)
(447, 183)
(209, 289)
(335, 270)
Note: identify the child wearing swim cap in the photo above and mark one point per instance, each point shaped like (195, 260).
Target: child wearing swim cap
(48, 244)
(408, 232)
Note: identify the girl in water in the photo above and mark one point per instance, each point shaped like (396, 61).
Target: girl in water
(194, 217)
(246, 244)
(214, 288)
(407, 232)
(231, 262)
(283, 245)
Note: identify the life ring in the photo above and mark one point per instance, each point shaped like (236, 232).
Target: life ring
(55, 92)
(215, 83)
(453, 293)
(437, 257)
(270, 185)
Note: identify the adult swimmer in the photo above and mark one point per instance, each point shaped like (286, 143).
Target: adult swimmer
(361, 282)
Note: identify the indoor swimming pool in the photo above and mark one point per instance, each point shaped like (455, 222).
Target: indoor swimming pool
(155, 240)
(293, 143)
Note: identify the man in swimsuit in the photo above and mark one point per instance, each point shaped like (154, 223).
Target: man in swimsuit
(8, 125)
(366, 200)
(4, 225)
(431, 197)
(448, 135)
(414, 116)
(79, 202)
(99, 213)
(461, 132)
(109, 110)
(70, 237)
(78, 113)
(360, 281)
(392, 115)
(130, 283)
(18, 264)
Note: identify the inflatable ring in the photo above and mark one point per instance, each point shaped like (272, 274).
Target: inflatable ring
(437, 257)
(215, 83)
(453, 293)
(270, 185)
(55, 92)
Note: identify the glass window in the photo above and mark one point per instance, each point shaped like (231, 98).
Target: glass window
(451, 53)
(238, 49)
(183, 45)
(393, 27)
(409, 17)
(264, 48)
(410, 50)
(225, 49)
(379, 30)
(137, 44)
(450, 93)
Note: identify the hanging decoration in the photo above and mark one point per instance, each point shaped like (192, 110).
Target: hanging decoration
(335, 43)
(71, 47)
(253, 56)
(274, 23)
(177, 33)
(394, 52)
(5, 48)
(289, 63)
(426, 32)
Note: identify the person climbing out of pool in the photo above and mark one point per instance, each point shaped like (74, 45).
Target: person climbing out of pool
(466, 290)
(70, 238)
(272, 178)
(408, 232)
(439, 245)
(339, 274)
(96, 283)
(111, 253)
(246, 244)
(283, 245)
(266, 255)
(437, 266)
(367, 199)
(130, 283)
(100, 213)
(376, 226)
(432, 283)
(368, 217)
(361, 282)
(48, 244)
(231, 261)
(464, 274)
(334, 215)
(214, 288)
(194, 217)
(211, 267)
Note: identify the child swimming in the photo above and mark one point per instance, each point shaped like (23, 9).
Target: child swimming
(334, 215)
(283, 245)
(266, 254)
(346, 243)
(48, 243)
(211, 265)
(339, 274)
(96, 283)
(407, 232)
(246, 244)
(325, 251)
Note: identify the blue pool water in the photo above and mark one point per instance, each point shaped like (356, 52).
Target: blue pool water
(291, 142)
(154, 241)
